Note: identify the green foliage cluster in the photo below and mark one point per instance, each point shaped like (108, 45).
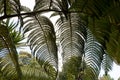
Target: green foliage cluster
(86, 35)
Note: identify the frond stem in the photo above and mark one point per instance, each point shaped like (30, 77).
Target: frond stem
(5, 8)
(36, 12)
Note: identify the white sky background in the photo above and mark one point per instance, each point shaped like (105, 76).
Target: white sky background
(115, 73)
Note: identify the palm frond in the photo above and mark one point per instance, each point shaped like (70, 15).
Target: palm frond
(72, 36)
(107, 63)
(42, 4)
(7, 67)
(1, 7)
(100, 28)
(34, 71)
(25, 9)
(91, 7)
(72, 69)
(42, 39)
(113, 12)
(93, 56)
(9, 44)
(51, 4)
(57, 5)
(107, 35)
(61, 5)
(113, 44)
(9, 7)
(16, 35)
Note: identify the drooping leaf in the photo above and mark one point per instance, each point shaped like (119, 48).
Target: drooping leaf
(9, 44)
(41, 4)
(32, 69)
(72, 36)
(42, 39)
(91, 7)
(7, 67)
(72, 69)
(93, 57)
(107, 35)
(107, 63)
(113, 44)
(8, 7)
(112, 12)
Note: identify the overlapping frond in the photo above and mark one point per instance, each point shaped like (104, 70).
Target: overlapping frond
(113, 12)
(8, 7)
(1, 7)
(42, 39)
(16, 35)
(72, 36)
(113, 45)
(107, 35)
(107, 63)
(72, 70)
(7, 67)
(42, 4)
(91, 7)
(8, 43)
(93, 56)
(100, 28)
(32, 70)
(60, 5)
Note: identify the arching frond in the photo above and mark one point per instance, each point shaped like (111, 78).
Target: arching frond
(1, 7)
(42, 39)
(8, 7)
(107, 35)
(42, 4)
(72, 36)
(91, 7)
(93, 57)
(72, 69)
(107, 63)
(15, 35)
(8, 43)
(25, 9)
(60, 5)
(112, 12)
(113, 44)
(34, 71)
(100, 28)
(7, 67)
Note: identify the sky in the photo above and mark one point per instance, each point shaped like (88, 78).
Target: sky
(115, 73)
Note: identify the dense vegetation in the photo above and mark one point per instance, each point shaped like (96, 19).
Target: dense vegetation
(85, 34)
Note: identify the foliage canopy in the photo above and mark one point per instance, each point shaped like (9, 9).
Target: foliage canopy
(86, 35)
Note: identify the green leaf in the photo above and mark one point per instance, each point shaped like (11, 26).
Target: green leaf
(6, 38)
(93, 57)
(72, 36)
(107, 63)
(42, 39)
